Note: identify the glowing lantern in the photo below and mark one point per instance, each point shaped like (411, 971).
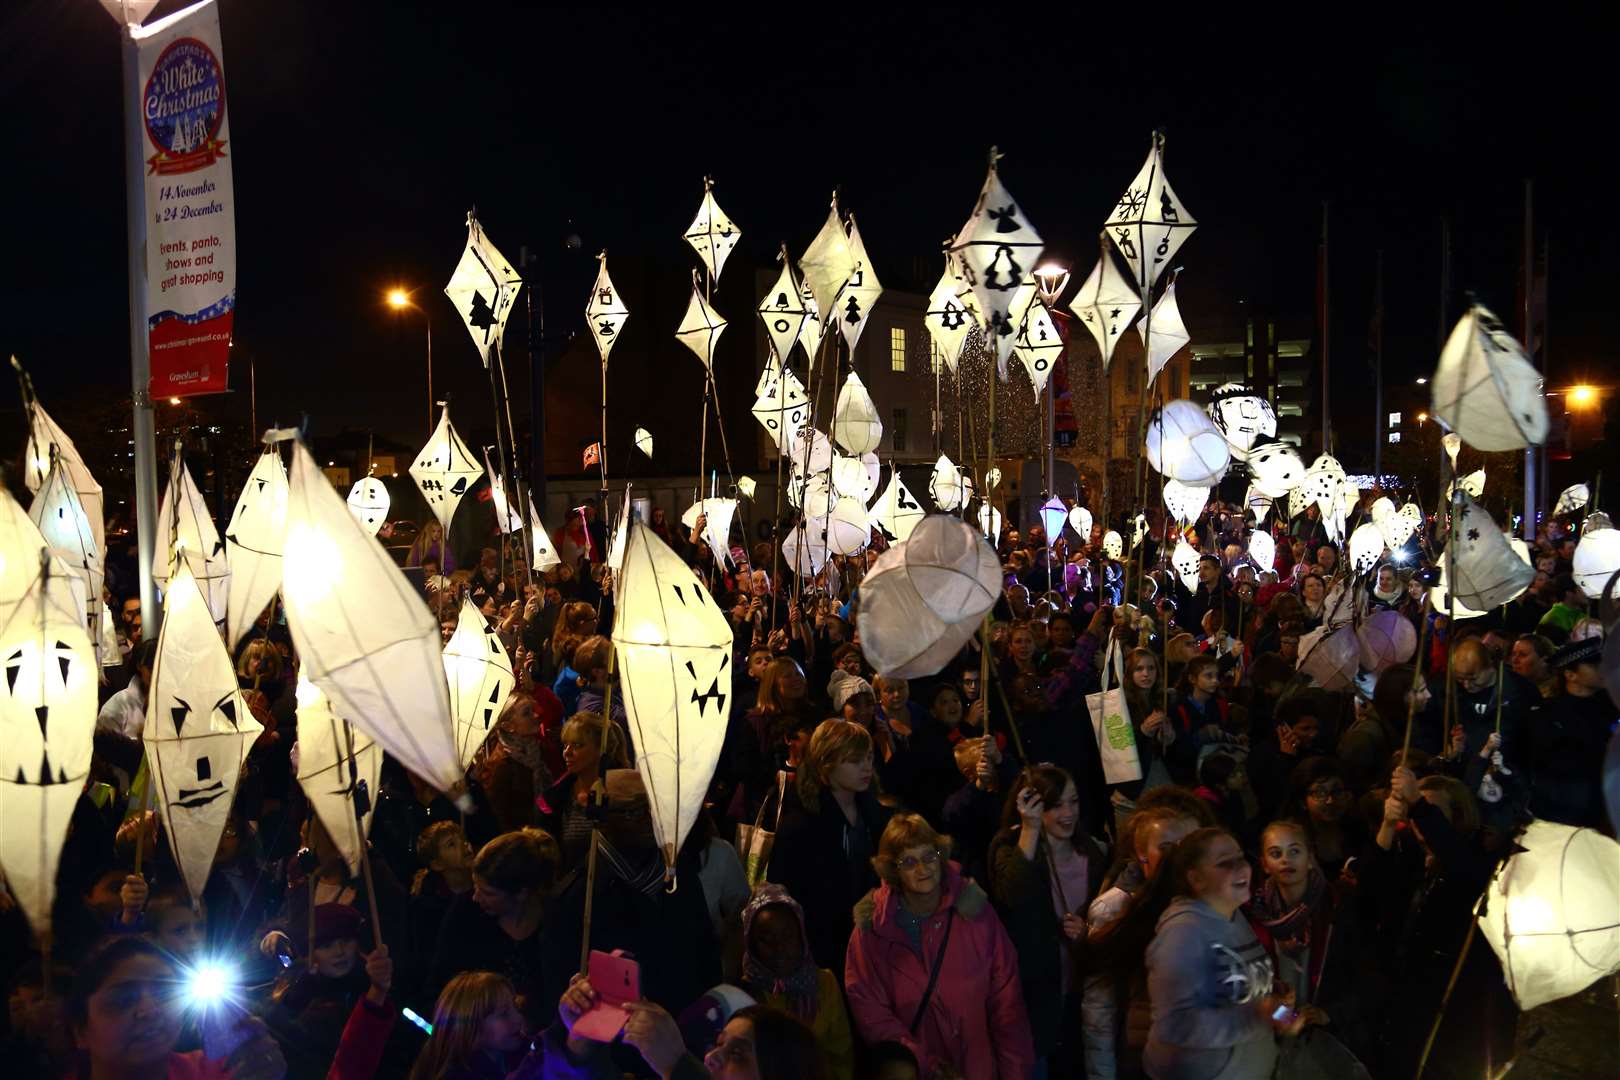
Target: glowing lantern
(1366, 547)
(1597, 556)
(1184, 502)
(329, 773)
(849, 527)
(1485, 389)
(1053, 515)
(856, 426)
(1242, 417)
(700, 327)
(479, 673)
(923, 598)
(1186, 559)
(1572, 500)
(1488, 571)
(1263, 549)
(1277, 469)
(445, 470)
(1080, 522)
(369, 502)
(1113, 544)
(1549, 912)
(1183, 444)
(990, 522)
(948, 488)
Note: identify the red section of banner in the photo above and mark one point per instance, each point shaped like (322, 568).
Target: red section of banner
(191, 358)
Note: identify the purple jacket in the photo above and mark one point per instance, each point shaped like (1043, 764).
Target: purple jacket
(975, 1019)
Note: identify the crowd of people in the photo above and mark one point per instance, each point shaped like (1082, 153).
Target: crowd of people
(925, 879)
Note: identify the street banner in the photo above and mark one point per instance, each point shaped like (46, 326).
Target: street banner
(190, 206)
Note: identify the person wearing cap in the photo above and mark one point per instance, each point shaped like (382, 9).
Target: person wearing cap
(1566, 738)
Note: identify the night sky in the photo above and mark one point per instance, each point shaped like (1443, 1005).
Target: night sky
(362, 132)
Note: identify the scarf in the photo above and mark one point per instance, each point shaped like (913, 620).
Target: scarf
(1390, 597)
(801, 988)
(526, 752)
(1290, 927)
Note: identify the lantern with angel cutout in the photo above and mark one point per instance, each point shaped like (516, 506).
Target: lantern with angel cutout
(997, 249)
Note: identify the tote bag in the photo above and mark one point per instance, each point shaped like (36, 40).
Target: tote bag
(1111, 722)
(754, 842)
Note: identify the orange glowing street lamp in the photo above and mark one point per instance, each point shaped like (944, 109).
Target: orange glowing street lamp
(1581, 397)
(398, 298)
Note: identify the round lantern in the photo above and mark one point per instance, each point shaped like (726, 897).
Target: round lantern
(1366, 547)
(1183, 444)
(1184, 501)
(811, 494)
(924, 597)
(1263, 549)
(1113, 544)
(1330, 658)
(956, 573)
(1549, 912)
(849, 527)
(369, 502)
(948, 487)
(1381, 508)
(851, 478)
(1242, 417)
(1323, 481)
(818, 457)
(1277, 468)
(1080, 522)
(1386, 638)
(804, 550)
(1597, 556)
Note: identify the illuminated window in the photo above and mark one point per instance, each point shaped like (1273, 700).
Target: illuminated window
(897, 424)
(936, 357)
(897, 348)
(1394, 436)
(1394, 419)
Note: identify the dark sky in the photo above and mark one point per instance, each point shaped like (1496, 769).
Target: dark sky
(362, 132)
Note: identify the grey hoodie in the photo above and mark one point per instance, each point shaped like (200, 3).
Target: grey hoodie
(1204, 974)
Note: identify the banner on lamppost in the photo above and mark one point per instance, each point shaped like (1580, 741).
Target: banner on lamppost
(190, 205)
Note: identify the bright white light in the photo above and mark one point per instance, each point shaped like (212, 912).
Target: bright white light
(210, 982)
(1422, 381)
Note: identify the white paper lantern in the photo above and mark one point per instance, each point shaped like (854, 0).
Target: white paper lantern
(711, 234)
(897, 512)
(1488, 572)
(718, 514)
(1263, 549)
(1053, 515)
(1386, 638)
(814, 495)
(1441, 600)
(185, 533)
(856, 426)
(1242, 417)
(1550, 910)
(992, 479)
(804, 550)
(1572, 499)
(957, 574)
(1597, 556)
(997, 249)
(1139, 530)
(948, 487)
(1258, 502)
(1401, 526)
(849, 527)
(545, 555)
(673, 645)
(1186, 559)
(1329, 657)
(479, 673)
(810, 452)
(324, 762)
(1366, 547)
(1322, 483)
(1184, 501)
(1183, 444)
(605, 312)
(990, 522)
(1485, 389)
(746, 486)
(701, 327)
(1277, 468)
(850, 478)
(1451, 443)
(780, 404)
(60, 517)
(1080, 522)
(369, 502)
(1298, 500)
(445, 470)
(1113, 544)
(923, 598)
(1473, 483)
(644, 441)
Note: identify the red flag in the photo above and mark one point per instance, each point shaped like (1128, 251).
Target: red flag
(593, 454)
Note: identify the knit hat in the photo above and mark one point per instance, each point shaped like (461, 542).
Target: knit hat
(843, 686)
(702, 1021)
(333, 922)
(1587, 651)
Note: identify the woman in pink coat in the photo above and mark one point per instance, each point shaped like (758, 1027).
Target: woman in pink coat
(929, 964)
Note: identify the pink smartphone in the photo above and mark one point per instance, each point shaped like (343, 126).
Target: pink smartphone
(616, 979)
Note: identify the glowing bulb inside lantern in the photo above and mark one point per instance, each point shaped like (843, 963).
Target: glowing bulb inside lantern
(1529, 915)
(312, 565)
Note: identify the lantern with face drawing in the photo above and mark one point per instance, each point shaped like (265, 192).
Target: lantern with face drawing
(47, 711)
(198, 731)
(1242, 417)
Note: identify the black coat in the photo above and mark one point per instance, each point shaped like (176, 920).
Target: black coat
(811, 861)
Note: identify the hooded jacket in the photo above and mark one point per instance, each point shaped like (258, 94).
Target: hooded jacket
(975, 1019)
(1204, 974)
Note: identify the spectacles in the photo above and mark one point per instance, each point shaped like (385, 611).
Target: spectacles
(911, 862)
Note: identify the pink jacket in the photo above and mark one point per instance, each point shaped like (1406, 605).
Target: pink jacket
(976, 1019)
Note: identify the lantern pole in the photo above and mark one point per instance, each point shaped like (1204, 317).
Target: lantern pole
(990, 519)
(1417, 675)
(1451, 984)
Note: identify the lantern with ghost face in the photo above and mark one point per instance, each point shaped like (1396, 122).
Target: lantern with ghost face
(1185, 502)
(1183, 444)
(1263, 549)
(1113, 544)
(47, 711)
(1186, 559)
(1276, 467)
(1242, 417)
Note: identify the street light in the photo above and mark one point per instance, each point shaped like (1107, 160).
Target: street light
(1422, 380)
(399, 300)
(1581, 396)
(1051, 279)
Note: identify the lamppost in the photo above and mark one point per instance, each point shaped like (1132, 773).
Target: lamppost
(400, 301)
(1051, 279)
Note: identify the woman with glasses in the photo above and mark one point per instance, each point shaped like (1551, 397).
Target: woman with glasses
(929, 964)
(1044, 870)
(1321, 799)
